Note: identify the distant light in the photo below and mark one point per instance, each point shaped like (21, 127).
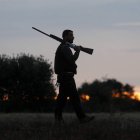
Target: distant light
(85, 97)
(116, 95)
(55, 97)
(5, 97)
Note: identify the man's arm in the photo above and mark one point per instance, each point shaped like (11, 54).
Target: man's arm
(76, 55)
(76, 48)
(67, 53)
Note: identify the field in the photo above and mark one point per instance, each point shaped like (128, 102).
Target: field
(35, 126)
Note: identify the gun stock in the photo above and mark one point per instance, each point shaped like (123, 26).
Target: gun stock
(87, 50)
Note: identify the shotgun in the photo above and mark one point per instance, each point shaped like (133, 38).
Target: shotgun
(86, 50)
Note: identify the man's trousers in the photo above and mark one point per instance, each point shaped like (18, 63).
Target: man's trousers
(67, 88)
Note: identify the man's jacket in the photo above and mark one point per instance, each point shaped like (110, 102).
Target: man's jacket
(65, 60)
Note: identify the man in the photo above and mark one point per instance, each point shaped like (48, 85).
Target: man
(65, 68)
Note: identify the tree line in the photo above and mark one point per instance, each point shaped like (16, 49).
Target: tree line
(109, 95)
(26, 85)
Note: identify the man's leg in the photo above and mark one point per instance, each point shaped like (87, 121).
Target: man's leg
(60, 103)
(75, 99)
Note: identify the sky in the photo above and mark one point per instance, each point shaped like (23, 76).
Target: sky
(110, 27)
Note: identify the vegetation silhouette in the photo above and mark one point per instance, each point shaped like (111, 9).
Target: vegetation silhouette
(26, 85)
(109, 95)
(27, 82)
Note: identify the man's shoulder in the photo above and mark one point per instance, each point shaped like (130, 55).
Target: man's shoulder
(60, 48)
(63, 46)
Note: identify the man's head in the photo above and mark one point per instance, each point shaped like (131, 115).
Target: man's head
(68, 36)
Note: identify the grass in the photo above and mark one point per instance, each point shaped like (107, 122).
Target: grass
(35, 126)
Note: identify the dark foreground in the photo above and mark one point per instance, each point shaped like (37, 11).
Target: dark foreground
(19, 126)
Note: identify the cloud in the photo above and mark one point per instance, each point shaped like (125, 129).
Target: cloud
(135, 50)
(127, 24)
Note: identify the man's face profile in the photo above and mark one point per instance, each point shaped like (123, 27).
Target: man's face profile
(69, 37)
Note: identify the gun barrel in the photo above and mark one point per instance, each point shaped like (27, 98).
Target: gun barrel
(56, 38)
(40, 31)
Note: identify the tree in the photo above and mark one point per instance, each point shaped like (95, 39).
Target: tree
(27, 79)
(106, 94)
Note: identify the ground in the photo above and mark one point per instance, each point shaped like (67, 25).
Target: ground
(35, 126)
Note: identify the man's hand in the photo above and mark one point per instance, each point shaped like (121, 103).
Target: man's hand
(77, 48)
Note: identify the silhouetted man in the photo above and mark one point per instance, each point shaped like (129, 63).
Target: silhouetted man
(65, 68)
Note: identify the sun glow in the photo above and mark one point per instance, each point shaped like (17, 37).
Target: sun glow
(85, 97)
(137, 93)
(136, 96)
